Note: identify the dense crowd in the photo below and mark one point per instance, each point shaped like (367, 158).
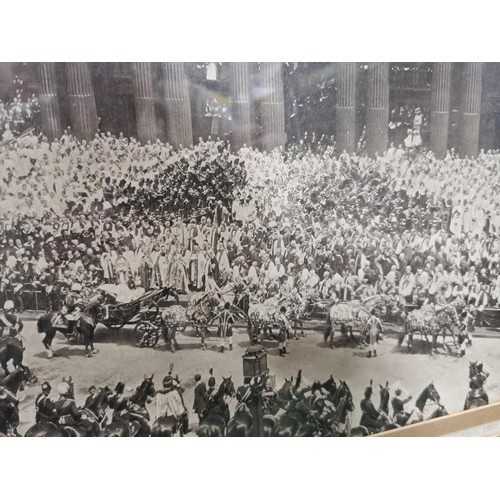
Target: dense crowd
(78, 214)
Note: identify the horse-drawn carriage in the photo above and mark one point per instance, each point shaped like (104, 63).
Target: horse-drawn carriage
(143, 312)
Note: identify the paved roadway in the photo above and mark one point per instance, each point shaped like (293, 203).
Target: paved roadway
(120, 360)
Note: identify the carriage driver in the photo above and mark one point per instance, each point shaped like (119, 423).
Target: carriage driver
(10, 324)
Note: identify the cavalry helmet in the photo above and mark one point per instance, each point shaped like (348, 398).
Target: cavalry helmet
(63, 388)
(8, 305)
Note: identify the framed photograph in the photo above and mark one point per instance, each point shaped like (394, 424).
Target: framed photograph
(249, 249)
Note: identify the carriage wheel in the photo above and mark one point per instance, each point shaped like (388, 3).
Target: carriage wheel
(146, 334)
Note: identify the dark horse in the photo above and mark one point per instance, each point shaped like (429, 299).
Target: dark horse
(84, 321)
(216, 415)
(138, 415)
(477, 396)
(10, 349)
(428, 394)
(9, 404)
(99, 404)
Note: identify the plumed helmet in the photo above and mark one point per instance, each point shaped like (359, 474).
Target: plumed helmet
(167, 382)
(9, 305)
(211, 382)
(46, 386)
(120, 387)
(368, 392)
(63, 389)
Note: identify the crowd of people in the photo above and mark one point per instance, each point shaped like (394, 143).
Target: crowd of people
(77, 214)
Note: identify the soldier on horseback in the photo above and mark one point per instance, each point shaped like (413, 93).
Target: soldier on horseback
(10, 323)
(45, 410)
(123, 410)
(68, 413)
(169, 402)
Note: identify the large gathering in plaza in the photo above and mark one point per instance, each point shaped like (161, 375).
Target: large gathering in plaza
(361, 228)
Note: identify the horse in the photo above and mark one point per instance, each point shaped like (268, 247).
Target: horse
(384, 398)
(165, 426)
(429, 393)
(429, 321)
(11, 349)
(215, 416)
(84, 321)
(136, 424)
(344, 406)
(50, 429)
(99, 404)
(17, 380)
(477, 396)
(9, 415)
(353, 314)
(201, 309)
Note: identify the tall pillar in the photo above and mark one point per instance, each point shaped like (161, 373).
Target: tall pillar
(82, 105)
(345, 126)
(272, 106)
(6, 80)
(470, 108)
(142, 76)
(49, 100)
(178, 105)
(241, 133)
(377, 113)
(440, 107)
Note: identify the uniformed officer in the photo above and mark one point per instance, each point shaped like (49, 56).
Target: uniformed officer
(10, 323)
(45, 410)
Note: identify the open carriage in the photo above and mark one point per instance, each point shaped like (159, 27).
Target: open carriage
(143, 312)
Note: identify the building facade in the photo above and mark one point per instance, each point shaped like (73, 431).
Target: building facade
(369, 105)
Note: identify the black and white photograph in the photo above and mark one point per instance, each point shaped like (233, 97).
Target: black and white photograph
(244, 249)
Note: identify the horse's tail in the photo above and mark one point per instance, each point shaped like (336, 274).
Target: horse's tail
(41, 324)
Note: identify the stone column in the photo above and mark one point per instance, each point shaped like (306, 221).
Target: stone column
(82, 105)
(6, 79)
(470, 108)
(272, 106)
(178, 105)
(241, 133)
(142, 76)
(440, 107)
(345, 126)
(377, 113)
(49, 100)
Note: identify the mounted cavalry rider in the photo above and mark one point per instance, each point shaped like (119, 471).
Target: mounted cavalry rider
(45, 408)
(68, 413)
(123, 410)
(10, 323)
